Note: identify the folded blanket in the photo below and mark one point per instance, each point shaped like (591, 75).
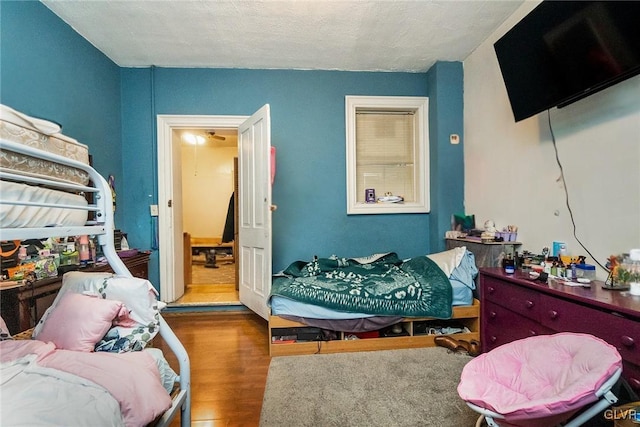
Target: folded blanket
(381, 284)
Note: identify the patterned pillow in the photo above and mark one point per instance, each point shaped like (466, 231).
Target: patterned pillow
(143, 324)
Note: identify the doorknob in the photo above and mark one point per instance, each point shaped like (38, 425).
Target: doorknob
(273, 207)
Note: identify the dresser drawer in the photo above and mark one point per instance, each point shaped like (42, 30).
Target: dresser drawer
(521, 300)
(631, 373)
(501, 326)
(140, 271)
(565, 316)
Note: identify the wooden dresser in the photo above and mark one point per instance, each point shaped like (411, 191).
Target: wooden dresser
(514, 307)
(22, 306)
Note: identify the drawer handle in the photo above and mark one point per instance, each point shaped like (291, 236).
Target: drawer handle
(627, 341)
(493, 314)
(635, 383)
(529, 304)
(553, 314)
(494, 339)
(532, 333)
(491, 289)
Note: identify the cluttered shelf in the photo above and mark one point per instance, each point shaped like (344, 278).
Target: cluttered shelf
(484, 242)
(24, 303)
(487, 253)
(490, 245)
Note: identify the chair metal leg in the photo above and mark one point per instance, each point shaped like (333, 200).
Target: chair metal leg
(489, 422)
(607, 400)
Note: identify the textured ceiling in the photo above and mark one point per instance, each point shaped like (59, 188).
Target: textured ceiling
(355, 35)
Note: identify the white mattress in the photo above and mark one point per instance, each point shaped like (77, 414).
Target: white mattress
(16, 216)
(462, 295)
(37, 133)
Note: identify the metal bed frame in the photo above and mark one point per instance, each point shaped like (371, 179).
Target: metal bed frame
(102, 227)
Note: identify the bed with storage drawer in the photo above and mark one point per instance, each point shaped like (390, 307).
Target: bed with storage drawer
(377, 302)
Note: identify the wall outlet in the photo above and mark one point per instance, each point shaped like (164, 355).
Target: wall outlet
(154, 210)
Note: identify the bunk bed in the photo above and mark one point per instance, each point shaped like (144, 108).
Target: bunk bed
(378, 302)
(65, 196)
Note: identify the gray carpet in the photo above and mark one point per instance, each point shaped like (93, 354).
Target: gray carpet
(404, 388)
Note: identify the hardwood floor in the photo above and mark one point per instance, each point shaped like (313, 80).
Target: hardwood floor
(208, 295)
(229, 356)
(224, 271)
(210, 286)
(228, 350)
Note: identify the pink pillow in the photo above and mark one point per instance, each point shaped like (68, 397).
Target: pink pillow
(80, 321)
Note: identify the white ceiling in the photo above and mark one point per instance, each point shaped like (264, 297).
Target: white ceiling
(355, 35)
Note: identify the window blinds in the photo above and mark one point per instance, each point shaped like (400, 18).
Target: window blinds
(385, 153)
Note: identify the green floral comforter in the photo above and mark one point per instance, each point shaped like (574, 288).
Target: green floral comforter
(380, 284)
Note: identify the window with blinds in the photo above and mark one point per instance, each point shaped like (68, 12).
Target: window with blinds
(387, 153)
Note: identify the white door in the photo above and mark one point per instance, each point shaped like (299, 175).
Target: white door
(170, 216)
(254, 211)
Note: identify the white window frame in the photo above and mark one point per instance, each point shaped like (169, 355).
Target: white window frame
(420, 107)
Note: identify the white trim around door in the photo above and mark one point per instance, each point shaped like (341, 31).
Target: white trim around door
(169, 209)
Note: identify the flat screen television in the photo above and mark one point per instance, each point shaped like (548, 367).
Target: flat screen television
(563, 51)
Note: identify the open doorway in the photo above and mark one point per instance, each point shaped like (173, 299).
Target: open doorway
(256, 170)
(209, 185)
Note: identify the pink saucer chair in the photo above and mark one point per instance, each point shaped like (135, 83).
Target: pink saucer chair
(542, 381)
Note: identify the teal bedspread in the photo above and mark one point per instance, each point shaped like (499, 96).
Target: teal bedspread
(380, 284)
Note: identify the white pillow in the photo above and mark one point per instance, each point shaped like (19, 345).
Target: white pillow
(448, 260)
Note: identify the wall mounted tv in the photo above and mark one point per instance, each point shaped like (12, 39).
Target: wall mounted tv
(564, 51)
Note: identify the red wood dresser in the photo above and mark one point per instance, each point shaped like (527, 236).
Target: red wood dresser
(513, 306)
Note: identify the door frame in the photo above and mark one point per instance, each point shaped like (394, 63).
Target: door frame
(171, 281)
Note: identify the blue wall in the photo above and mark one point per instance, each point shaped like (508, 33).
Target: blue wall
(308, 129)
(48, 70)
(447, 160)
